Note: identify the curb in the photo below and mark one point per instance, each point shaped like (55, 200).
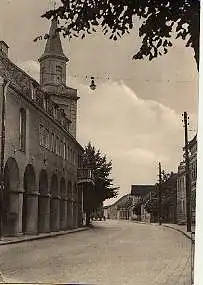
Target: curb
(49, 235)
(178, 230)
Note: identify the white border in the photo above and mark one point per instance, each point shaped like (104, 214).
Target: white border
(198, 269)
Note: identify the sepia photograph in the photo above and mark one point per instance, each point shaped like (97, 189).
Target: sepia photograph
(98, 141)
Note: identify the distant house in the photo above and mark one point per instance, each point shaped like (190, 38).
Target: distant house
(120, 209)
(138, 194)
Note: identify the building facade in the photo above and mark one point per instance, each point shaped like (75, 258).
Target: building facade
(39, 150)
(181, 184)
(193, 174)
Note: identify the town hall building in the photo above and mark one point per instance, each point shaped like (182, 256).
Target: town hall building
(41, 186)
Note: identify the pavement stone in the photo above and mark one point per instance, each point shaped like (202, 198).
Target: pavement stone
(111, 253)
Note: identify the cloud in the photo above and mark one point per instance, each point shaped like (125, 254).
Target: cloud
(31, 67)
(135, 133)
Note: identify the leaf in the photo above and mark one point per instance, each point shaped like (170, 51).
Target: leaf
(159, 43)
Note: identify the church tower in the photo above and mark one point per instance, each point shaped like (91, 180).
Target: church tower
(53, 76)
(53, 61)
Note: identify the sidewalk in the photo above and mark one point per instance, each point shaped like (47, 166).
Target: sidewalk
(182, 229)
(24, 238)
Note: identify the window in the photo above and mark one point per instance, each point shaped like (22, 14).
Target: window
(46, 138)
(33, 92)
(41, 135)
(55, 112)
(64, 151)
(71, 155)
(74, 158)
(45, 103)
(68, 153)
(57, 146)
(52, 142)
(61, 149)
(22, 130)
(59, 73)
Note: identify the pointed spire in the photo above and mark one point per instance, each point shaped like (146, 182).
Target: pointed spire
(53, 44)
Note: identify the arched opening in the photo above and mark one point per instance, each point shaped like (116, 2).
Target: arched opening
(11, 208)
(30, 201)
(54, 204)
(44, 203)
(69, 211)
(63, 205)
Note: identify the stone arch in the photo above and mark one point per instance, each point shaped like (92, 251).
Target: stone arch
(69, 204)
(54, 204)
(30, 201)
(11, 196)
(44, 203)
(63, 204)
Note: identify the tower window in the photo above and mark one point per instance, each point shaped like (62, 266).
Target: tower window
(59, 73)
(22, 130)
(43, 75)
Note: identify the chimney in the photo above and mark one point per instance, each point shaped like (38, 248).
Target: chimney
(4, 48)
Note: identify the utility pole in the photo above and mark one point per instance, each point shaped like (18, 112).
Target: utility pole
(187, 174)
(160, 194)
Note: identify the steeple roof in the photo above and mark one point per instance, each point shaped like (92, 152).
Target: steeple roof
(53, 45)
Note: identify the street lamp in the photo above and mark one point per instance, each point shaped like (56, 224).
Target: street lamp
(92, 85)
(3, 88)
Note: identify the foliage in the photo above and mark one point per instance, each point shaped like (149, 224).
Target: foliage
(168, 193)
(104, 188)
(159, 20)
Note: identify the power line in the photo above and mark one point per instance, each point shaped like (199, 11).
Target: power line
(112, 78)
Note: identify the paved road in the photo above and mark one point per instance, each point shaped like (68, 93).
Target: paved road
(114, 252)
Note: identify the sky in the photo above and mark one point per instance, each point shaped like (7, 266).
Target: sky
(134, 115)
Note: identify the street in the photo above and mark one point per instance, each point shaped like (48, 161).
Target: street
(113, 252)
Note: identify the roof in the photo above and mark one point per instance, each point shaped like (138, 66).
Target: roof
(120, 200)
(53, 44)
(141, 190)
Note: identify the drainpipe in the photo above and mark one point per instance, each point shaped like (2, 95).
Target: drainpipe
(3, 87)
